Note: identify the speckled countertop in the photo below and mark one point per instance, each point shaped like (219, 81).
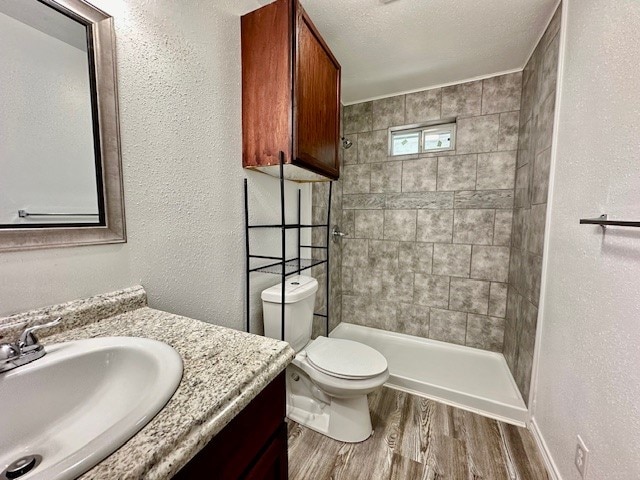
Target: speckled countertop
(224, 370)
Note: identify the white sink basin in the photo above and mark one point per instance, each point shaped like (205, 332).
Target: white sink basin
(82, 401)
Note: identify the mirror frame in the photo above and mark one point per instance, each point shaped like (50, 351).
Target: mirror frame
(100, 27)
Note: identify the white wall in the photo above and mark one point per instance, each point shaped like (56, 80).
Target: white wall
(180, 116)
(47, 161)
(588, 377)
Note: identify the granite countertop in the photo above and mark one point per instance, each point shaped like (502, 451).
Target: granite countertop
(224, 370)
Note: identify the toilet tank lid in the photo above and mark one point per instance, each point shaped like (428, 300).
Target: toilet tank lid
(296, 288)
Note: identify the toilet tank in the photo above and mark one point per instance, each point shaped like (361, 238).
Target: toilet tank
(299, 299)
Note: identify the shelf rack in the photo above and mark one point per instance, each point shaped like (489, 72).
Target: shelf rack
(281, 265)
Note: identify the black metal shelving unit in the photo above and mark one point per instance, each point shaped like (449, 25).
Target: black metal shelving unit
(283, 266)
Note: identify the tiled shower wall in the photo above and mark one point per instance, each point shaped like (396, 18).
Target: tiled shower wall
(429, 235)
(532, 186)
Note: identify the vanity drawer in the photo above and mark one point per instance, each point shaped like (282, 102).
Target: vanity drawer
(252, 446)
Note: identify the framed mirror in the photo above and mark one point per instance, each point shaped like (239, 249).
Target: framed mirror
(60, 160)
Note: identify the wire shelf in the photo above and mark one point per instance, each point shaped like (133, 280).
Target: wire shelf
(274, 264)
(290, 266)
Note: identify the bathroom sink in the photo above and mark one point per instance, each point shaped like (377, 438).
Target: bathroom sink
(80, 402)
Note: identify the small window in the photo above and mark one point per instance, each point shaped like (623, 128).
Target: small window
(414, 139)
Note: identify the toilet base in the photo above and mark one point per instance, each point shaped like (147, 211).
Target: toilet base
(343, 419)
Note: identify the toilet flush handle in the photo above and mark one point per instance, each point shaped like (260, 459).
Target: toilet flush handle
(337, 234)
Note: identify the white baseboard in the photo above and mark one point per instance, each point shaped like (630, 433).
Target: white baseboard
(552, 469)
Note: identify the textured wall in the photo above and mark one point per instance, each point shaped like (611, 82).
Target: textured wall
(588, 378)
(180, 103)
(529, 216)
(428, 251)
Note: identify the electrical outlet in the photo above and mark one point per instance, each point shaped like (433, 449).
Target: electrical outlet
(582, 457)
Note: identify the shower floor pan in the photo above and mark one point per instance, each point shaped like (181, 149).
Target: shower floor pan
(464, 377)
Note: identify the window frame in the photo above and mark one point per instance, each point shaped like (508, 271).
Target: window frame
(445, 125)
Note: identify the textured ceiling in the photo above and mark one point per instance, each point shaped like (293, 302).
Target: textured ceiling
(416, 44)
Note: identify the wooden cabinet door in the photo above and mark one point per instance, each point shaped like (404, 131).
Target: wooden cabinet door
(316, 111)
(273, 463)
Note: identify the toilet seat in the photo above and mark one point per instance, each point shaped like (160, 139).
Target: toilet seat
(345, 358)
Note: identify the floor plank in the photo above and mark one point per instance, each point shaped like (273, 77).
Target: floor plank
(523, 452)
(417, 438)
(417, 423)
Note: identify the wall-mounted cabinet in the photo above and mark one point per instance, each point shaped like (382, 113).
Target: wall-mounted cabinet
(290, 95)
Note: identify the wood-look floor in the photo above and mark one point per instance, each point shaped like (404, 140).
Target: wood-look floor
(417, 438)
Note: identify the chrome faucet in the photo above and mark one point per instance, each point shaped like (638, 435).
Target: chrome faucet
(28, 349)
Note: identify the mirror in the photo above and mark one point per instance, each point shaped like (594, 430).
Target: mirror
(60, 165)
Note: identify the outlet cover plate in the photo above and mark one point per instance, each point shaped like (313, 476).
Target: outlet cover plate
(582, 457)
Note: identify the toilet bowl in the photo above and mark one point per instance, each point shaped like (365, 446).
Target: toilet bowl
(329, 379)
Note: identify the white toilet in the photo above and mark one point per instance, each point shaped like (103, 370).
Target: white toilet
(329, 378)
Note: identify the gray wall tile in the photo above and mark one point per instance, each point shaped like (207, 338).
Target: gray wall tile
(532, 177)
(435, 226)
(501, 93)
(462, 100)
(373, 147)
(448, 326)
(525, 150)
(509, 349)
(415, 257)
(508, 133)
(431, 290)
(419, 175)
(355, 253)
(523, 374)
(498, 299)
(400, 225)
(350, 155)
(535, 232)
(457, 172)
(548, 79)
(386, 177)
(348, 222)
(470, 296)
(496, 170)
(369, 224)
(383, 255)
(503, 227)
(484, 199)
(473, 226)
(451, 259)
(423, 106)
(540, 181)
(347, 281)
(478, 134)
(358, 118)
(522, 187)
(485, 332)
(356, 179)
(388, 112)
(520, 224)
(413, 319)
(397, 287)
(544, 124)
(429, 200)
(365, 201)
(490, 263)
(367, 282)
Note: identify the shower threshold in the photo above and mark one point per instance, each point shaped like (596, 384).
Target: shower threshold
(464, 377)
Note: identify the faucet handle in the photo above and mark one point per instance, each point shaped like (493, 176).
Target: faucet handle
(28, 340)
(8, 352)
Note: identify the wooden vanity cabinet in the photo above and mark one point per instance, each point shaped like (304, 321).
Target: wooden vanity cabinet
(290, 94)
(253, 446)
